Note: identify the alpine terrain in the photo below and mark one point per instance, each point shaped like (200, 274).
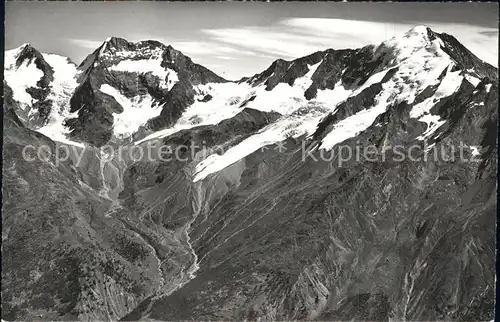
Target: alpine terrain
(140, 185)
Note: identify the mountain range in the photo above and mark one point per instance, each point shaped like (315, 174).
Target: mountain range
(258, 225)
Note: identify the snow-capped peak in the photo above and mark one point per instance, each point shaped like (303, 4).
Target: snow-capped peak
(412, 41)
(19, 48)
(419, 30)
(42, 79)
(416, 61)
(12, 55)
(21, 75)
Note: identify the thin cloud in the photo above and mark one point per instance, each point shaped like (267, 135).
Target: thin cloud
(86, 43)
(225, 57)
(296, 37)
(266, 42)
(209, 48)
(228, 50)
(489, 33)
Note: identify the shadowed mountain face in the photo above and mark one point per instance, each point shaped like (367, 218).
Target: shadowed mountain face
(261, 213)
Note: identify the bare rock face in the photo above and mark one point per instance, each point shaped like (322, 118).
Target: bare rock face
(62, 259)
(259, 214)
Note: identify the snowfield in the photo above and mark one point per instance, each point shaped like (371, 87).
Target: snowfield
(136, 111)
(419, 61)
(22, 77)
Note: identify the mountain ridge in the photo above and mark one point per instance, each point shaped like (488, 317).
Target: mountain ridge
(168, 106)
(260, 224)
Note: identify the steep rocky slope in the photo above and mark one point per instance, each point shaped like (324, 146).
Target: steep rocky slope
(61, 257)
(267, 218)
(280, 237)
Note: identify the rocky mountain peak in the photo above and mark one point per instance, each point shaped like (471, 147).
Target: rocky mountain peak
(420, 31)
(120, 48)
(119, 51)
(25, 51)
(27, 54)
(132, 87)
(116, 42)
(419, 46)
(29, 75)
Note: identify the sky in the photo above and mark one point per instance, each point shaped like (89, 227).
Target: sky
(236, 39)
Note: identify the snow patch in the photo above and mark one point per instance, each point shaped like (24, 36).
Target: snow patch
(136, 111)
(142, 60)
(357, 123)
(474, 150)
(450, 84)
(306, 81)
(471, 79)
(374, 79)
(333, 97)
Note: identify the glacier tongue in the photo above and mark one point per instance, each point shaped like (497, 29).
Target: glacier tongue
(301, 120)
(61, 89)
(136, 111)
(225, 104)
(228, 99)
(27, 74)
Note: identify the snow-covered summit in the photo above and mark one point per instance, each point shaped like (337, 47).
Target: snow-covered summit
(397, 71)
(147, 90)
(21, 75)
(42, 85)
